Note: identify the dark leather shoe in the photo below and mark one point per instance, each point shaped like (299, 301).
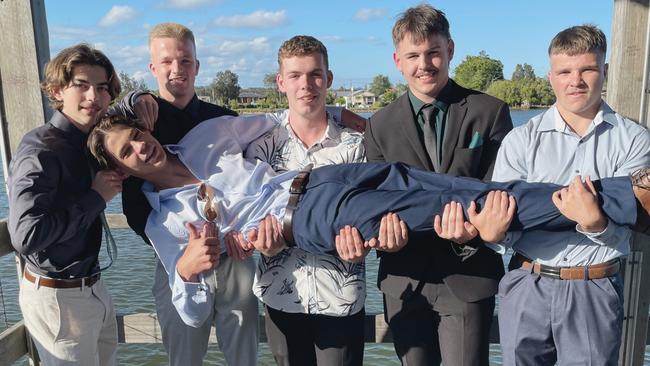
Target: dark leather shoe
(641, 187)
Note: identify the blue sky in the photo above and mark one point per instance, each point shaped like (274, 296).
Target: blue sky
(243, 36)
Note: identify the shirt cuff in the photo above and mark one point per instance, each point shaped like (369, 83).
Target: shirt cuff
(192, 300)
(607, 235)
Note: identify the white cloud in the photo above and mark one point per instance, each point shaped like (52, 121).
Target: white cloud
(259, 19)
(188, 4)
(117, 14)
(365, 14)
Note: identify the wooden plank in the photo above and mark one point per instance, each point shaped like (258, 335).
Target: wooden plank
(5, 242)
(637, 301)
(13, 344)
(25, 50)
(627, 56)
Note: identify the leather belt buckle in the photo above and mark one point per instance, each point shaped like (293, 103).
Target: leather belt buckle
(296, 189)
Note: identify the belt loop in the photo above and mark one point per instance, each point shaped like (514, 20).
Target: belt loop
(38, 282)
(531, 270)
(586, 269)
(83, 284)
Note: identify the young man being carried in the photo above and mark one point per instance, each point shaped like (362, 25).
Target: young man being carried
(206, 179)
(55, 203)
(562, 301)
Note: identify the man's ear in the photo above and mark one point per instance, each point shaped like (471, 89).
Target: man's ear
(152, 68)
(280, 81)
(450, 48)
(330, 78)
(57, 93)
(605, 69)
(198, 64)
(396, 60)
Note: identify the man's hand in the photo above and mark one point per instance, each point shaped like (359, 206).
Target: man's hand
(494, 219)
(268, 237)
(452, 226)
(237, 246)
(108, 183)
(146, 110)
(393, 234)
(579, 202)
(352, 120)
(350, 246)
(201, 254)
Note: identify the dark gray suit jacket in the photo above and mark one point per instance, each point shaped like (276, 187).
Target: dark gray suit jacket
(392, 136)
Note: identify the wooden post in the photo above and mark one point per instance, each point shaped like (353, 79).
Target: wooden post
(629, 54)
(627, 57)
(25, 50)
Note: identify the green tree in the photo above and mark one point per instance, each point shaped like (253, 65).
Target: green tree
(388, 96)
(225, 86)
(129, 84)
(330, 98)
(523, 72)
(339, 101)
(400, 89)
(478, 72)
(506, 90)
(380, 84)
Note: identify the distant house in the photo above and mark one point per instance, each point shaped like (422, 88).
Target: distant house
(356, 98)
(250, 97)
(362, 98)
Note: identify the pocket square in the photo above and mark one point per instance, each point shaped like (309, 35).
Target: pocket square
(477, 141)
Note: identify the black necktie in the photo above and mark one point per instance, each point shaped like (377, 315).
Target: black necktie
(429, 113)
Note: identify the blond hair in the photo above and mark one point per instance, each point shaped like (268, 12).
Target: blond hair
(302, 46)
(420, 22)
(172, 30)
(58, 72)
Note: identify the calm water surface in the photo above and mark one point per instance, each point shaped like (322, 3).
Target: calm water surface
(130, 279)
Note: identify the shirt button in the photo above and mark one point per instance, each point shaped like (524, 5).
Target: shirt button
(565, 259)
(577, 171)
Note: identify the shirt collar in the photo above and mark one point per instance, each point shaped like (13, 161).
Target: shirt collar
(60, 121)
(439, 101)
(552, 120)
(332, 131)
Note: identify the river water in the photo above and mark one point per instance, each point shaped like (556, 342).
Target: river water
(130, 279)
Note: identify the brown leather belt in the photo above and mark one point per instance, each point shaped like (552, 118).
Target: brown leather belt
(592, 272)
(61, 283)
(297, 189)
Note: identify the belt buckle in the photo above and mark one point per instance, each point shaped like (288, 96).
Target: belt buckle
(553, 272)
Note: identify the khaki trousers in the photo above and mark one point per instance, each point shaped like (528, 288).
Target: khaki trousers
(74, 326)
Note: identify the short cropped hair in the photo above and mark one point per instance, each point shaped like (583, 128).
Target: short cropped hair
(97, 138)
(172, 30)
(420, 22)
(577, 40)
(302, 46)
(58, 72)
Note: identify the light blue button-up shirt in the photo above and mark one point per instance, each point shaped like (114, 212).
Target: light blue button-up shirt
(245, 192)
(546, 149)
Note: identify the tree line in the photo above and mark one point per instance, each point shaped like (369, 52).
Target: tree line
(524, 89)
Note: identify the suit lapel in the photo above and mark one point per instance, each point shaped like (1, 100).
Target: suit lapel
(455, 117)
(410, 131)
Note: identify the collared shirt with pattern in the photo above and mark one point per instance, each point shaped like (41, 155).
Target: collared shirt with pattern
(296, 281)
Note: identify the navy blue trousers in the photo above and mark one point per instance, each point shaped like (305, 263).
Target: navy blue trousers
(360, 194)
